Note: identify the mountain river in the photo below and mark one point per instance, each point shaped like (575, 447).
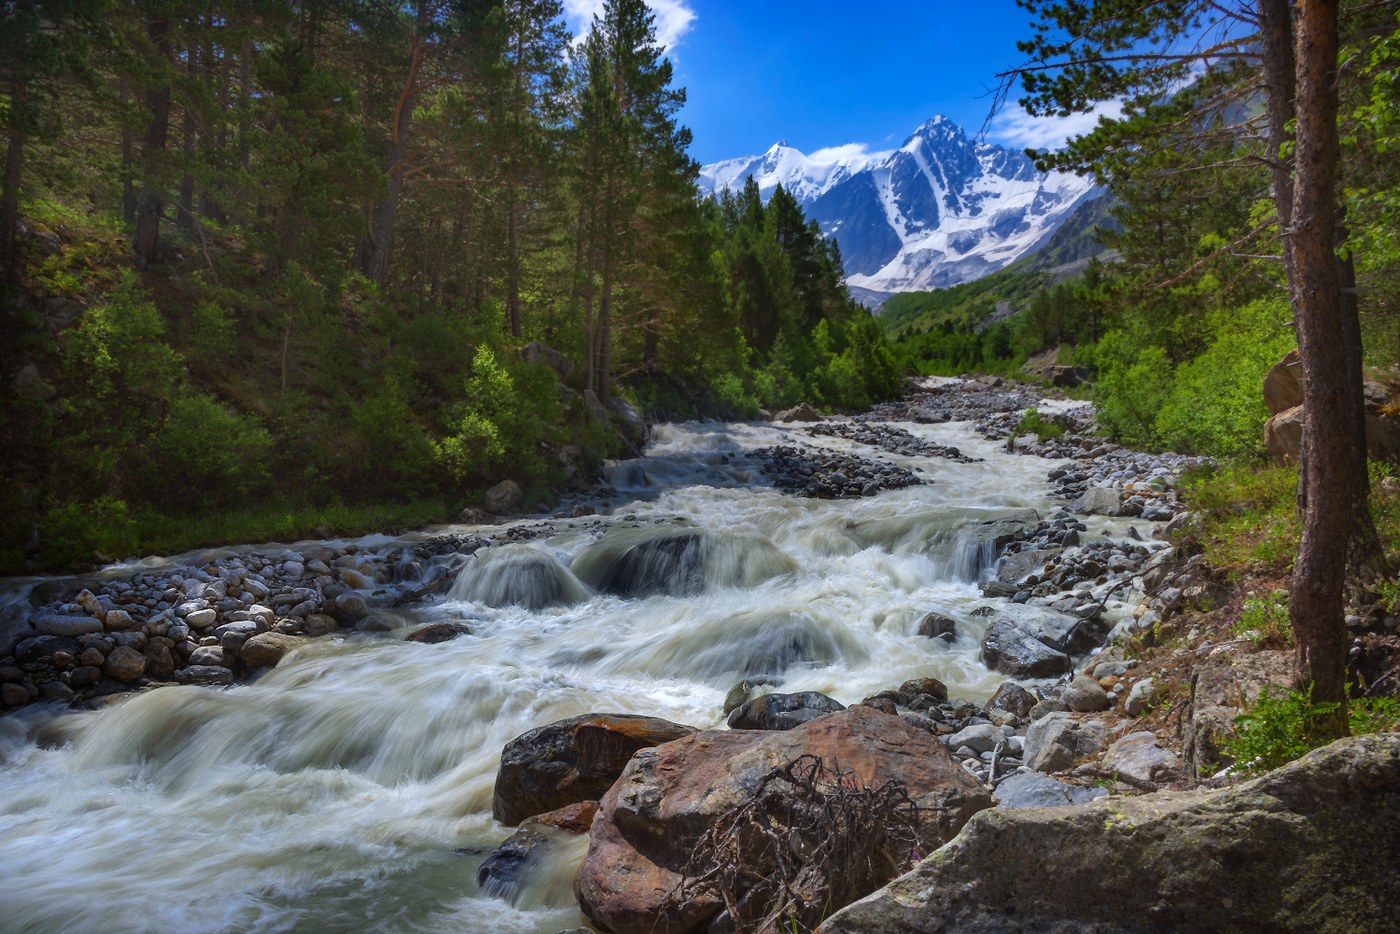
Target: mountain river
(349, 789)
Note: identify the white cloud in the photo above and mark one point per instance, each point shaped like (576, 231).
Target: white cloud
(674, 18)
(848, 152)
(1016, 128)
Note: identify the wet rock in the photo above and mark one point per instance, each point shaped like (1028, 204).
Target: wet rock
(740, 694)
(1034, 790)
(1054, 741)
(1290, 840)
(204, 674)
(571, 760)
(124, 664)
(782, 711)
(507, 870)
(650, 821)
(267, 649)
(37, 648)
(914, 688)
(438, 632)
(938, 626)
(375, 623)
(14, 695)
(1083, 695)
(349, 608)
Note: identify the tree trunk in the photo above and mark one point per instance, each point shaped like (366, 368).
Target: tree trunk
(185, 217)
(381, 232)
(1280, 77)
(150, 202)
(9, 193)
(1316, 601)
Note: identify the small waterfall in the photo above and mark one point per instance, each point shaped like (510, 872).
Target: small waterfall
(518, 575)
(642, 562)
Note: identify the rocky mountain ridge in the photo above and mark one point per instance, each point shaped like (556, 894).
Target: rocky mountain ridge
(940, 210)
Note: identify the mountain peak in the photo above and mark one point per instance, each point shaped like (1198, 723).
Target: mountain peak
(938, 211)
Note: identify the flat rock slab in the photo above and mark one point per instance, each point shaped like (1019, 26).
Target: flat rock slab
(649, 823)
(1033, 790)
(1309, 847)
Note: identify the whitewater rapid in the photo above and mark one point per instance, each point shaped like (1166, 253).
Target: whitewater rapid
(350, 788)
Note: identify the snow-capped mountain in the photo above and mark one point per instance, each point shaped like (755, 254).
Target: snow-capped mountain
(939, 210)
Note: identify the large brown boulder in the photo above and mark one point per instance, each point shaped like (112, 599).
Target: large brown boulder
(571, 761)
(1283, 384)
(1309, 847)
(1283, 435)
(651, 821)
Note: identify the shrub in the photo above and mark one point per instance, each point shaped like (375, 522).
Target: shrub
(208, 453)
(1264, 621)
(1274, 731)
(1033, 423)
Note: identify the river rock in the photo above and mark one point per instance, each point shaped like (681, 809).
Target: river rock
(14, 695)
(1100, 501)
(571, 760)
(438, 632)
(915, 688)
(938, 626)
(1011, 648)
(201, 618)
(266, 649)
(124, 664)
(649, 823)
(119, 620)
(1054, 741)
(1013, 699)
(1084, 695)
(1139, 698)
(802, 412)
(506, 871)
(349, 608)
(1309, 847)
(782, 711)
(55, 624)
(505, 498)
(1029, 789)
(1139, 757)
(204, 674)
(980, 738)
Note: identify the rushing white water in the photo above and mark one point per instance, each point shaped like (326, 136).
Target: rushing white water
(350, 788)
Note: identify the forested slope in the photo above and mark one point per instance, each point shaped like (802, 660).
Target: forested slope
(269, 268)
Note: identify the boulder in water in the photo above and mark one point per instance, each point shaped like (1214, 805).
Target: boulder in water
(518, 575)
(571, 760)
(652, 819)
(666, 563)
(782, 711)
(438, 632)
(268, 648)
(938, 626)
(1308, 847)
(505, 871)
(1011, 649)
(802, 412)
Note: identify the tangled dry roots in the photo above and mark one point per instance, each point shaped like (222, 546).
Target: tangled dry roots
(811, 840)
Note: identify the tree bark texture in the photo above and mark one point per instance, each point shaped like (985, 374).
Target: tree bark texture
(150, 201)
(1316, 601)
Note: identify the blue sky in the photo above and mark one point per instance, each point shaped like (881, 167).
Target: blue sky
(823, 73)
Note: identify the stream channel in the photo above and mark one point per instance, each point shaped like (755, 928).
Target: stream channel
(349, 788)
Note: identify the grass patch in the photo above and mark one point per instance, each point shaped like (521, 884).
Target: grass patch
(1246, 515)
(1264, 621)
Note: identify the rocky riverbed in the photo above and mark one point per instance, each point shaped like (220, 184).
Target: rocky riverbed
(1005, 646)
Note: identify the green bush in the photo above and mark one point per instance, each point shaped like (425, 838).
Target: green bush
(1034, 423)
(1264, 621)
(206, 453)
(73, 532)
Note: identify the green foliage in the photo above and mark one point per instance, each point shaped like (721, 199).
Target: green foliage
(74, 532)
(1036, 424)
(206, 454)
(1264, 621)
(1275, 730)
(1245, 515)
